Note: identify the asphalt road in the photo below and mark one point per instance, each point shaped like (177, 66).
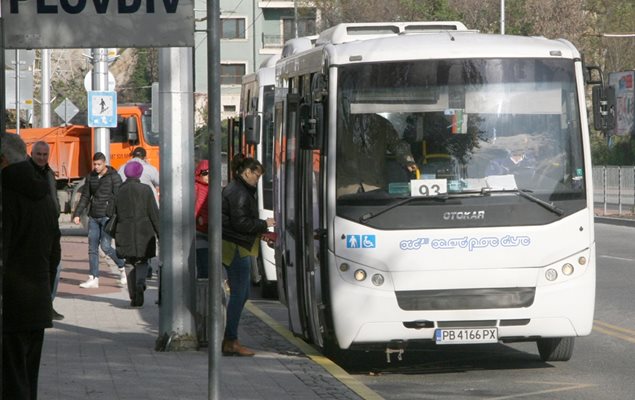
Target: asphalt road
(602, 367)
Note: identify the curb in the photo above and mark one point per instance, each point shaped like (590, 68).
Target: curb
(335, 370)
(615, 221)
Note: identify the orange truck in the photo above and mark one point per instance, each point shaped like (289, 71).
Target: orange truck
(71, 148)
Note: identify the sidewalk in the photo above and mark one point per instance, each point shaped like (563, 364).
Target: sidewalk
(103, 349)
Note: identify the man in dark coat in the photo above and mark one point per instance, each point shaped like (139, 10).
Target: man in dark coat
(137, 226)
(40, 152)
(100, 189)
(28, 232)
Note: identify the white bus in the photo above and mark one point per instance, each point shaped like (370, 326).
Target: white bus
(253, 136)
(432, 183)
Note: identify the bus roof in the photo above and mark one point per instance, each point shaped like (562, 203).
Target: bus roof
(265, 75)
(343, 33)
(453, 45)
(428, 45)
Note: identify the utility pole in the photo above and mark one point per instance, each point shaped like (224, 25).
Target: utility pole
(176, 115)
(295, 17)
(502, 17)
(17, 92)
(3, 114)
(46, 88)
(214, 316)
(100, 83)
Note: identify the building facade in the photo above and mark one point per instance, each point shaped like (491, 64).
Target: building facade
(251, 32)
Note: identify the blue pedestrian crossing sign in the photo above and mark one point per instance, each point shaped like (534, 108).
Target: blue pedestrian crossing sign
(102, 109)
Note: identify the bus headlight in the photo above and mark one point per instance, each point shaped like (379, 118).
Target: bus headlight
(567, 269)
(360, 275)
(377, 279)
(344, 267)
(551, 274)
(582, 260)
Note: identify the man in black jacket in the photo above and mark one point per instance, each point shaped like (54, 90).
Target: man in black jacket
(28, 231)
(99, 191)
(40, 152)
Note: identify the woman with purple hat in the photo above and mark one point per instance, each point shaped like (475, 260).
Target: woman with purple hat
(136, 230)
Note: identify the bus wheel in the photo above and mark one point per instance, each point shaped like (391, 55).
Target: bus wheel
(555, 349)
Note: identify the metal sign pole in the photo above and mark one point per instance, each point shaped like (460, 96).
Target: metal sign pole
(17, 92)
(100, 83)
(45, 89)
(3, 114)
(214, 199)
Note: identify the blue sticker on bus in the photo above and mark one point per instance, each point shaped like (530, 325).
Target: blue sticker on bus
(361, 241)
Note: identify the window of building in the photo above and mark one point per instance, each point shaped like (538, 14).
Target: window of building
(232, 28)
(231, 74)
(229, 108)
(306, 27)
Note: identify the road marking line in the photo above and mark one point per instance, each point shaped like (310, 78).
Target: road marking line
(539, 392)
(614, 327)
(615, 331)
(617, 258)
(335, 370)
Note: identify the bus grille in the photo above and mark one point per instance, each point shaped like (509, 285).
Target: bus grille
(465, 299)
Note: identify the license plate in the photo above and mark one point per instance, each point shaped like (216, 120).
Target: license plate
(466, 335)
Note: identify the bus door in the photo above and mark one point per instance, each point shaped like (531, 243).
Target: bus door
(308, 236)
(310, 186)
(289, 226)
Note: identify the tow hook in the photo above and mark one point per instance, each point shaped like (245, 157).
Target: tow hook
(396, 346)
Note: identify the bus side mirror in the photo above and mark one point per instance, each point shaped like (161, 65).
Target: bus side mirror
(603, 99)
(311, 126)
(252, 129)
(132, 131)
(593, 75)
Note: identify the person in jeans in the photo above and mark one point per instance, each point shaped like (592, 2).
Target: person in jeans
(99, 191)
(241, 231)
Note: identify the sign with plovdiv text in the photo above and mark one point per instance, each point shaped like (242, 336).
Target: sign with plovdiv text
(52, 24)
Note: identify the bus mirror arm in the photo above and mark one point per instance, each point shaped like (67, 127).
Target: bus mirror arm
(311, 126)
(603, 99)
(604, 103)
(252, 128)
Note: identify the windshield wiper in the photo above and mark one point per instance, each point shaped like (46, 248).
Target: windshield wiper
(398, 203)
(526, 194)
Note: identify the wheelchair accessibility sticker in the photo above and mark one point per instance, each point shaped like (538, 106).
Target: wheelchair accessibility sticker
(361, 241)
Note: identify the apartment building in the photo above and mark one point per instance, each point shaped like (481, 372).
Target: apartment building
(251, 32)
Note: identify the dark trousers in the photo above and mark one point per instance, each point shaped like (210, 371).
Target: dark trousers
(136, 275)
(202, 251)
(21, 352)
(238, 279)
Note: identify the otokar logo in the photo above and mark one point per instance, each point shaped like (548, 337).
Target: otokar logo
(464, 215)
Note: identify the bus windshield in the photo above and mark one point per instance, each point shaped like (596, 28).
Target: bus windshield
(460, 129)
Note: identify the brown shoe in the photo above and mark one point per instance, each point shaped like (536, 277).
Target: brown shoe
(234, 348)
